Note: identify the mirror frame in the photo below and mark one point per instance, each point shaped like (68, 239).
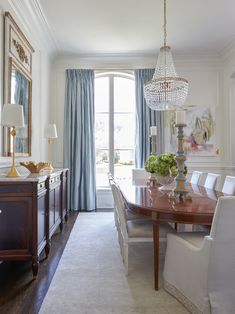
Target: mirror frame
(13, 64)
(18, 55)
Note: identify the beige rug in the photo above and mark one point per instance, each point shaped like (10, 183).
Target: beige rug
(90, 277)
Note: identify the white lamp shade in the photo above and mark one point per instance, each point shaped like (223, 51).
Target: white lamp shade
(50, 131)
(12, 115)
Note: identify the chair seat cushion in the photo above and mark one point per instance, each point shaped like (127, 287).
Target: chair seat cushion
(194, 238)
(129, 214)
(144, 228)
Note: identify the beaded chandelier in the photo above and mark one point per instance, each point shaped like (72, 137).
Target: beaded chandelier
(166, 90)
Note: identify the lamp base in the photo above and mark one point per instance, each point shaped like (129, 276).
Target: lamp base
(13, 173)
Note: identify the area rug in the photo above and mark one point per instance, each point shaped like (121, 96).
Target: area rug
(90, 278)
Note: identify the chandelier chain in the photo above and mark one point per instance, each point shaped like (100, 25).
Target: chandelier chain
(165, 23)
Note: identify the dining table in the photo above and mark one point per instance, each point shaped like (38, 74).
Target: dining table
(150, 199)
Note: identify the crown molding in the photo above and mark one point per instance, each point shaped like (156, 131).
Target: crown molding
(135, 61)
(33, 20)
(229, 51)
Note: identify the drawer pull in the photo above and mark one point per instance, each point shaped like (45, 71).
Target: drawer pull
(0, 211)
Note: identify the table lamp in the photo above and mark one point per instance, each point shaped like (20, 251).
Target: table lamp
(50, 133)
(13, 117)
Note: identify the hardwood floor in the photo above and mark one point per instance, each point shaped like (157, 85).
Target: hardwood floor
(19, 293)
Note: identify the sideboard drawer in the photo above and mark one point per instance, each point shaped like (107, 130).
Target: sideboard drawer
(54, 179)
(41, 186)
(8, 188)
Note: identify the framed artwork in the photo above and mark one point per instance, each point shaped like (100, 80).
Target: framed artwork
(199, 135)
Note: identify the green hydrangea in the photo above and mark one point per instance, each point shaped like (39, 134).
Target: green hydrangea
(163, 165)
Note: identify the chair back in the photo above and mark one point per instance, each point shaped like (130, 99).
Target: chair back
(229, 185)
(195, 177)
(120, 206)
(221, 270)
(139, 173)
(211, 180)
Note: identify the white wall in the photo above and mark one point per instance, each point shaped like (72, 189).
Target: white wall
(205, 77)
(229, 99)
(41, 75)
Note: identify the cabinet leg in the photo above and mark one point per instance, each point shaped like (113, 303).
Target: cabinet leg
(61, 225)
(47, 248)
(35, 264)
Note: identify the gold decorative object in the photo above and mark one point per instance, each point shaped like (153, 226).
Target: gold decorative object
(21, 52)
(35, 167)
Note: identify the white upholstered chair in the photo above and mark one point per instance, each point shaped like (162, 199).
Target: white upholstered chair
(211, 180)
(210, 184)
(129, 214)
(229, 185)
(139, 173)
(135, 230)
(196, 175)
(200, 270)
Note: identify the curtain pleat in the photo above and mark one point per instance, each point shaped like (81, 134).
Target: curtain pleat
(79, 140)
(145, 117)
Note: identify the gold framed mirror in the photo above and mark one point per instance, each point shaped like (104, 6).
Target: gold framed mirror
(18, 85)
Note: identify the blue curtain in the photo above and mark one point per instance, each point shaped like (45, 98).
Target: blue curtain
(145, 117)
(79, 143)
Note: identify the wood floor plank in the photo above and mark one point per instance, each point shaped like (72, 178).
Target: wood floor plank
(19, 293)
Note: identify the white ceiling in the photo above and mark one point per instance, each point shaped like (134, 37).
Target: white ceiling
(135, 26)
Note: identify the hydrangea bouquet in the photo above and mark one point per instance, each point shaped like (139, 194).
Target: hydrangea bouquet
(163, 165)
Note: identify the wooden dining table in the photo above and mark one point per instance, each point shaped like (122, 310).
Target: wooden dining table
(150, 200)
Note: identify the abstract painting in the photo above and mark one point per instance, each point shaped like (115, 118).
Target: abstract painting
(199, 134)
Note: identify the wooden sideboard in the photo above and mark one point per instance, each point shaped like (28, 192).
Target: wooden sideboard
(31, 209)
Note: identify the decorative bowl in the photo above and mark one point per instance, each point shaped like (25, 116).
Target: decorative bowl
(35, 167)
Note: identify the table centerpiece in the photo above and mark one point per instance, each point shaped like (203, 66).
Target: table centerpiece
(163, 168)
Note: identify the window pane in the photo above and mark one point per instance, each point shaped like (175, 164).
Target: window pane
(123, 172)
(102, 167)
(102, 148)
(124, 136)
(124, 97)
(102, 94)
(123, 163)
(102, 130)
(123, 128)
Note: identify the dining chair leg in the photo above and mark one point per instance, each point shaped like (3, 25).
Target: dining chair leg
(126, 257)
(156, 248)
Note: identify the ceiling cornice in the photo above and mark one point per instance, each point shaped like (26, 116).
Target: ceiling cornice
(228, 51)
(32, 17)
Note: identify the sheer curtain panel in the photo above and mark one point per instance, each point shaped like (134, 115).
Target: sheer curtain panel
(79, 143)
